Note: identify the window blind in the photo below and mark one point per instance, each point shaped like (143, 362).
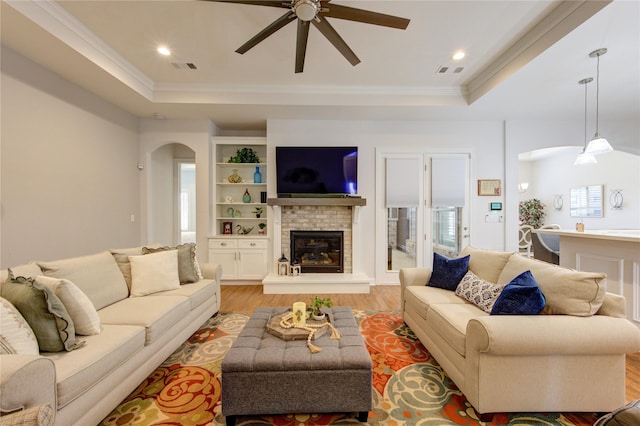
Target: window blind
(448, 181)
(402, 182)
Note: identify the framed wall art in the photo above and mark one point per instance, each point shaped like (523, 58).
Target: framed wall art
(489, 187)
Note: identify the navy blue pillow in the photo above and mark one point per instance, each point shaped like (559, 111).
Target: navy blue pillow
(522, 296)
(447, 273)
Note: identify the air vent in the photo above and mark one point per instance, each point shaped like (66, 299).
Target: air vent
(184, 65)
(446, 69)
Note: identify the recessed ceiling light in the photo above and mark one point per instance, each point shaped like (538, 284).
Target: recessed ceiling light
(458, 55)
(164, 50)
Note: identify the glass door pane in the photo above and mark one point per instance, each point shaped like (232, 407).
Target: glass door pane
(401, 237)
(447, 231)
(187, 203)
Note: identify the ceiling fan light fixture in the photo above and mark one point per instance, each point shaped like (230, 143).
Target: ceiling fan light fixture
(306, 10)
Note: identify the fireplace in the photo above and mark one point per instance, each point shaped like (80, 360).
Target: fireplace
(318, 251)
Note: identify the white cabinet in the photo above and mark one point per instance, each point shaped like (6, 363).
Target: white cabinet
(241, 258)
(235, 213)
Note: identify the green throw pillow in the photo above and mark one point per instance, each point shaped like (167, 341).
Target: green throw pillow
(43, 311)
(187, 263)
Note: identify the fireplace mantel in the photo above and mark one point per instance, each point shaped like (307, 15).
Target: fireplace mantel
(318, 201)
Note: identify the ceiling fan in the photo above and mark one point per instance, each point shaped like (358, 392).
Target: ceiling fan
(316, 12)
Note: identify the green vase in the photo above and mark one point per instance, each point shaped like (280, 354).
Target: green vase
(246, 197)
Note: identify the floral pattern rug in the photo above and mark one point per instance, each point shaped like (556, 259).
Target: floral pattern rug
(409, 387)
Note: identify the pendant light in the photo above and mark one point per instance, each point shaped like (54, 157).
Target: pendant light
(585, 157)
(598, 144)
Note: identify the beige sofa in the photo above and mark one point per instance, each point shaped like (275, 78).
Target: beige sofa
(569, 358)
(136, 335)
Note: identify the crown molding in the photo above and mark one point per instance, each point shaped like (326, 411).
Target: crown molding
(54, 19)
(563, 19)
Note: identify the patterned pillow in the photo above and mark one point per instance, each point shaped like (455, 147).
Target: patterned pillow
(188, 268)
(16, 337)
(447, 273)
(481, 293)
(43, 311)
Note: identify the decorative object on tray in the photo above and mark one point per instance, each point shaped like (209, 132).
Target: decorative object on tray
(246, 197)
(299, 313)
(317, 303)
(234, 177)
(245, 155)
(284, 327)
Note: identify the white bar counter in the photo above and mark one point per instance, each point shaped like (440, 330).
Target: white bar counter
(614, 252)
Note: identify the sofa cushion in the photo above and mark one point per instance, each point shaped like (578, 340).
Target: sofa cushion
(419, 298)
(78, 371)
(97, 275)
(521, 296)
(28, 270)
(197, 292)
(154, 272)
(122, 259)
(486, 264)
(566, 291)
(43, 311)
(480, 292)
(188, 269)
(83, 314)
(450, 322)
(157, 314)
(15, 332)
(447, 273)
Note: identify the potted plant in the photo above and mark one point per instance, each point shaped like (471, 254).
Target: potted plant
(245, 155)
(532, 213)
(258, 211)
(261, 225)
(317, 303)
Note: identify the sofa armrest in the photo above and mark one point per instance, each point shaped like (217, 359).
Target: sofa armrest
(211, 271)
(26, 381)
(414, 276)
(551, 335)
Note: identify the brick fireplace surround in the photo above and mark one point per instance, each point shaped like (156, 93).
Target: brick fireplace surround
(317, 214)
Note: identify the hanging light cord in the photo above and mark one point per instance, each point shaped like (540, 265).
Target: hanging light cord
(597, 92)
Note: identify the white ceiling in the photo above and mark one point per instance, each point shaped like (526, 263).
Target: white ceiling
(524, 59)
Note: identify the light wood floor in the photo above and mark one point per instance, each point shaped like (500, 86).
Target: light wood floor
(245, 298)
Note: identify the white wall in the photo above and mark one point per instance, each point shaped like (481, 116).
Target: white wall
(616, 170)
(69, 182)
(483, 140)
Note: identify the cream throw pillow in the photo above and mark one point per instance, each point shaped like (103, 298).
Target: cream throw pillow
(84, 315)
(15, 333)
(154, 272)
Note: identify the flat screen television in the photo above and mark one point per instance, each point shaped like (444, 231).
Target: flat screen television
(321, 171)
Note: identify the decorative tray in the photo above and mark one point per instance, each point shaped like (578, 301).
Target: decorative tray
(274, 327)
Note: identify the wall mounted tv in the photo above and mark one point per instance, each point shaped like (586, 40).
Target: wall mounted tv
(320, 171)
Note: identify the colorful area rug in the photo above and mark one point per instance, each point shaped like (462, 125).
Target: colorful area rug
(409, 387)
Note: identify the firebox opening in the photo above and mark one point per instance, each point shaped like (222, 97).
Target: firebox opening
(318, 251)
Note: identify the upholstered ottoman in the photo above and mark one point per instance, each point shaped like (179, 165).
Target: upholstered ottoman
(264, 374)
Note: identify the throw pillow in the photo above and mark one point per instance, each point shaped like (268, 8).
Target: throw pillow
(481, 293)
(83, 314)
(15, 333)
(188, 269)
(154, 272)
(43, 311)
(447, 273)
(522, 296)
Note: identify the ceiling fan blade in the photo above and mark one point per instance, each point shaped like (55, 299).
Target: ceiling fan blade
(301, 44)
(330, 33)
(274, 3)
(272, 28)
(366, 16)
